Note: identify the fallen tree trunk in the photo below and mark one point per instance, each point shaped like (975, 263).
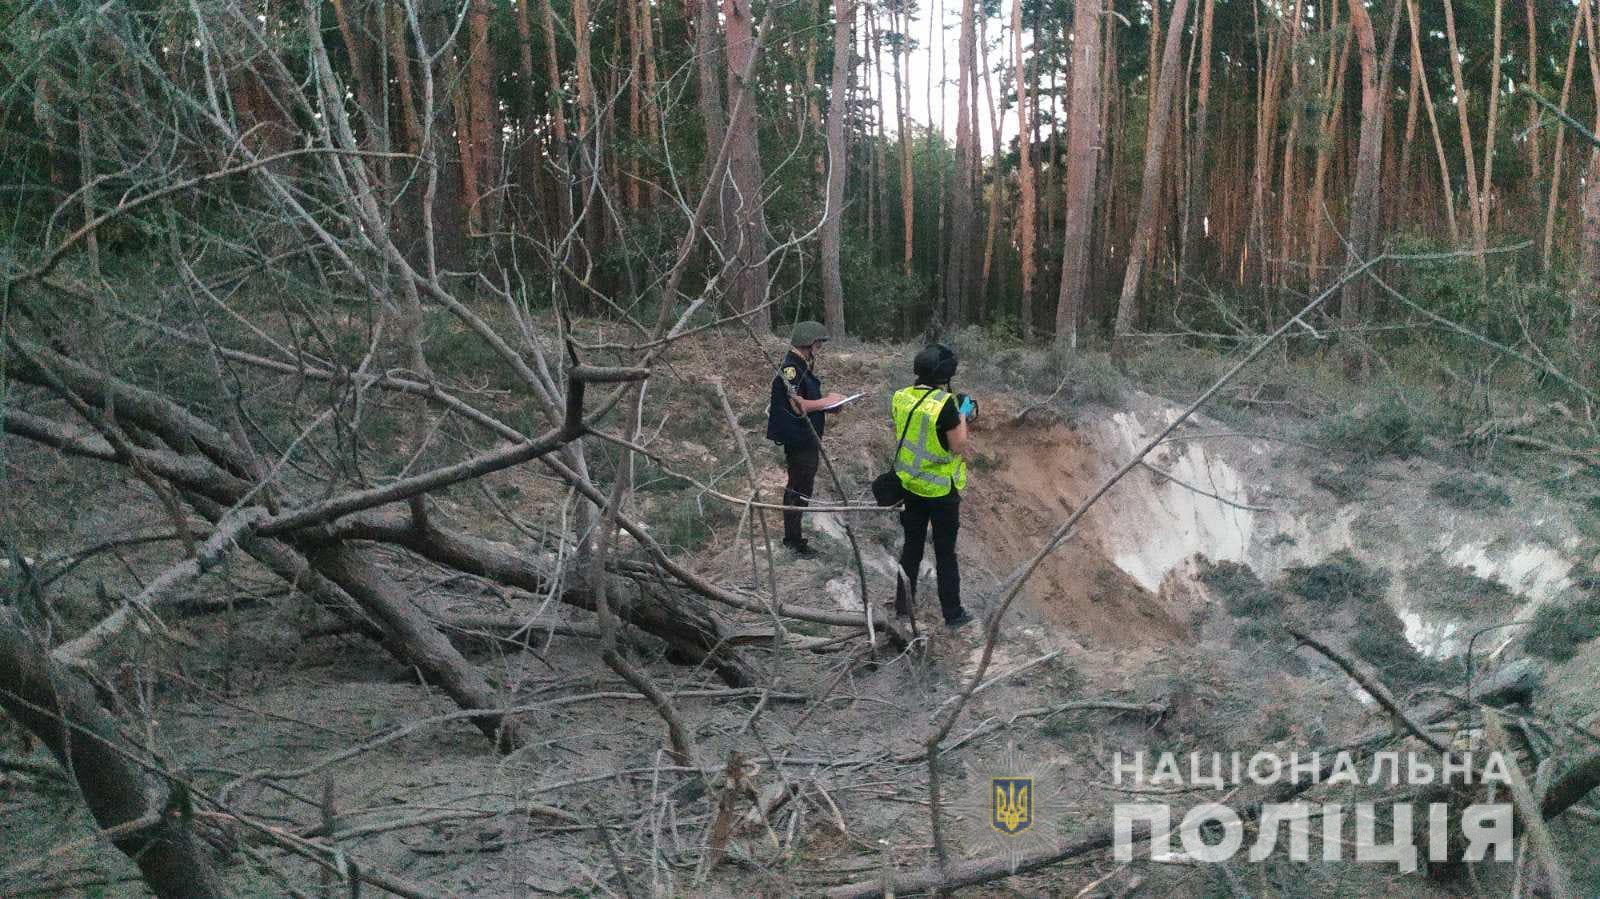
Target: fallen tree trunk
(1572, 786)
(697, 636)
(128, 804)
(414, 640)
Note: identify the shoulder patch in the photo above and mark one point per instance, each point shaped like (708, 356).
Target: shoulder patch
(790, 372)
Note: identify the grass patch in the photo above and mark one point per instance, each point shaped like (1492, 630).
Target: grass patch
(1346, 485)
(1337, 579)
(1456, 590)
(1240, 590)
(685, 526)
(1388, 429)
(1470, 492)
(1560, 629)
(651, 479)
(1381, 642)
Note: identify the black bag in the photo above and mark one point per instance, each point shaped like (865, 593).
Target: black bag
(886, 488)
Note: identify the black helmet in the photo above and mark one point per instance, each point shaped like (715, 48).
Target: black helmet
(934, 364)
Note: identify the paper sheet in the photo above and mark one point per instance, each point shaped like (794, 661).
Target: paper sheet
(849, 399)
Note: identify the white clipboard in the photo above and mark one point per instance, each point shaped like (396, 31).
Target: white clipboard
(846, 401)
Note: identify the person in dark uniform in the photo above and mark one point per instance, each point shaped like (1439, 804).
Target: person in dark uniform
(796, 422)
(930, 423)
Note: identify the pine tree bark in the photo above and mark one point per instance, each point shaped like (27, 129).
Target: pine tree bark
(838, 162)
(1328, 131)
(744, 165)
(880, 181)
(1586, 303)
(1479, 239)
(1197, 203)
(1433, 125)
(1556, 167)
(560, 147)
(484, 114)
(1269, 88)
(1364, 195)
(529, 174)
(1486, 192)
(997, 187)
(1150, 184)
(1535, 161)
(1026, 227)
(712, 116)
(958, 268)
(902, 93)
(1083, 159)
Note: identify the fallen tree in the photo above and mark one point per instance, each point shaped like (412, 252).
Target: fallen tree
(147, 820)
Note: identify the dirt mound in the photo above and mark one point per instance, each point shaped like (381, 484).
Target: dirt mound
(1022, 489)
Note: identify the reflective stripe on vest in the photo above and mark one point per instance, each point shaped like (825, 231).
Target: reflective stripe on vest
(925, 468)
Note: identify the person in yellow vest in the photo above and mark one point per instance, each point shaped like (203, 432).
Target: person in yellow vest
(930, 423)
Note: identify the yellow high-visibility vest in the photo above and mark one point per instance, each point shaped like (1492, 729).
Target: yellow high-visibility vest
(925, 467)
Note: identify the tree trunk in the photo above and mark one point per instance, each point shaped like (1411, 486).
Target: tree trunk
(484, 116)
(151, 822)
(997, 186)
(366, 71)
(588, 166)
(1291, 144)
(1474, 203)
(958, 269)
(400, 60)
(813, 115)
(1083, 159)
(636, 125)
(1561, 138)
(1413, 89)
(902, 112)
(744, 165)
(1534, 160)
(838, 162)
(1316, 217)
(450, 200)
(1197, 202)
(1269, 87)
(413, 638)
(1027, 229)
(1150, 184)
(1364, 209)
(1433, 124)
(880, 181)
(1486, 192)
(560, 147)
(528, 162)
(1586, 304)
(709, 59)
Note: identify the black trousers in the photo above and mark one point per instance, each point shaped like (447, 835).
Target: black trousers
(801, 460)
(944, 513)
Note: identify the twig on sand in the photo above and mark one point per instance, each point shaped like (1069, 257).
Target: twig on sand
(1370, 684)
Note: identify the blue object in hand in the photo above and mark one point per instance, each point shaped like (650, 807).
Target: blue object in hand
(967, 406)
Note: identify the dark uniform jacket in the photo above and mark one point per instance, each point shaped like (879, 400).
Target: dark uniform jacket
(783, 424)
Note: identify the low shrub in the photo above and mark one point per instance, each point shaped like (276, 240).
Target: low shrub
(1470, 492)
(1240, 590)
(1390, 428)
(1337, 579)
(1559, 628)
